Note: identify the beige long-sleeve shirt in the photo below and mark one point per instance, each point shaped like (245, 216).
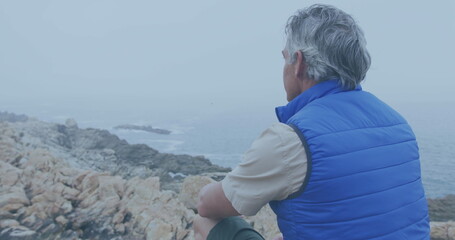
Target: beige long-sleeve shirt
(273, 168)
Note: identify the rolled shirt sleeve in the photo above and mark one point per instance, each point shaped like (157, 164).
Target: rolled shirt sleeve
(273, 168)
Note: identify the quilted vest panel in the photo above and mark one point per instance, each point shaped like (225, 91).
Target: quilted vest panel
(363, 180)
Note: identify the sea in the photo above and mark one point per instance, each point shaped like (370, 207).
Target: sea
(224, 136)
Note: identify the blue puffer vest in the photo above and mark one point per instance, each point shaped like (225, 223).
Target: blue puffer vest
(363, 177)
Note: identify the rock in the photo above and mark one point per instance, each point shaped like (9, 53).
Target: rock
(51, 229)
(143, 128)
(442, 230)
(9, 151)
(12, 199)
(265, 222)
(111, 186)
(71, 123)
(151, 210)
(119, 228)
(8, 223)
(189, 194)
(442, 209)
(32, 221)
(11, 117)
(157, 229)
(451, 232)
(9, 175)
(17, 232)
(217, 176)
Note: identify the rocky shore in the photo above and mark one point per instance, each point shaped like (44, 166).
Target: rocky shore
(58, 181)
(143, 128)
(101, 151)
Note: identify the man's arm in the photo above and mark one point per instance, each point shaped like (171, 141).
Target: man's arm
(273, 168)
(213, 203)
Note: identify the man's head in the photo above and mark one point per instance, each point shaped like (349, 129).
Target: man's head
(325, 43)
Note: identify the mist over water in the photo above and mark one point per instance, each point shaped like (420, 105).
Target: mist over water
(433, 125)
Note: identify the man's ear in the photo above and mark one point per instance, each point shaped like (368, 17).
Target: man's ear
(301, 66)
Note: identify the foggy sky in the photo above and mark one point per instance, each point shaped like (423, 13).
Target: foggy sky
(194, 54)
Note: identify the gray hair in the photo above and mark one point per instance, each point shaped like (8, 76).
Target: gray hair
(331, 42)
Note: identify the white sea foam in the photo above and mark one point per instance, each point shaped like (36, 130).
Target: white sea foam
(169, 145)
(173, 175)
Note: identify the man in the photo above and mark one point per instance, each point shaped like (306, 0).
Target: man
(341, 164)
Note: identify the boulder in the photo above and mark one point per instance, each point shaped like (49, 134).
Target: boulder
(189, 193)
(12, 198)
(9, 151)
(18, 233)
(8, 223)
(71, 123)
(9, 175)
(442, 230)
(265, 222)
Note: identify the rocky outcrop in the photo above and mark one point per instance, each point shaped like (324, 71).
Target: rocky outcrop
(43, 197)
(442, 209)
(143, 128)
(11, 117)
(102, 151)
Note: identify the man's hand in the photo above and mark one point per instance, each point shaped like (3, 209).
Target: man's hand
(213, 203)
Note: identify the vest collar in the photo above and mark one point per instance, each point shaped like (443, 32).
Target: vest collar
(284, 113)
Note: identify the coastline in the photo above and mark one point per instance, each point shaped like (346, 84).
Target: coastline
(60, 181)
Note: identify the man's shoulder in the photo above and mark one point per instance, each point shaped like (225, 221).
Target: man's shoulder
(277, 130)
